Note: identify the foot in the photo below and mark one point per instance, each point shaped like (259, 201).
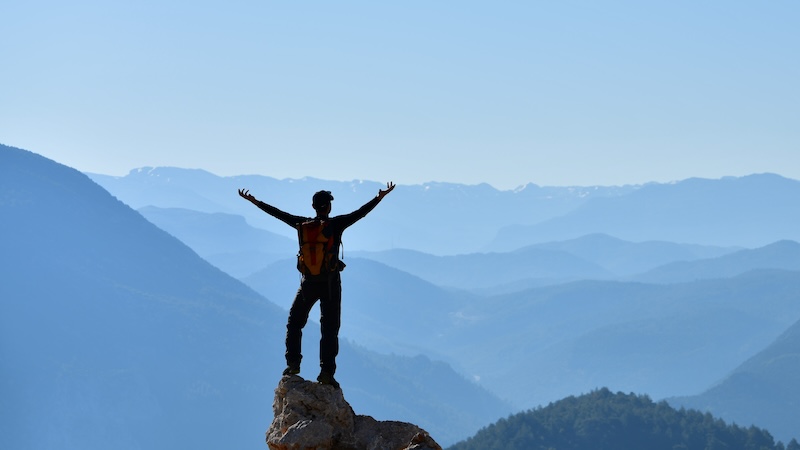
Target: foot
(291, 370)
(327, 378)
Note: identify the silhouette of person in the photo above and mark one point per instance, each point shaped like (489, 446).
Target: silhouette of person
(325, 287)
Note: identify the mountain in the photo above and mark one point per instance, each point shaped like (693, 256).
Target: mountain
(536, 346)
(231, 244)
(622, 257)
(748, 211)
(114, 334)
(594, 256)
(664, 340)
(437, 218)
(778, 255)
(225, 240)
(602, 420)
(762, 390)
(491, 271)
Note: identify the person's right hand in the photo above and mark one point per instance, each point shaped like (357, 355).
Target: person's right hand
(245, 194)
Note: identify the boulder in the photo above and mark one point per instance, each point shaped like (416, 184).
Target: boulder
(311, 415)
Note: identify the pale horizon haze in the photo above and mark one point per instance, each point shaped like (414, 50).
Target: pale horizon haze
(506, 93)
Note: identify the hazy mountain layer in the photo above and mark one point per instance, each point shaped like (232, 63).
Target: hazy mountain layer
(779, 255)
(225, 240)
(437, 218)
(749, 211)
(114, 334)
(239, 249)
(763, 390)
(538, 345)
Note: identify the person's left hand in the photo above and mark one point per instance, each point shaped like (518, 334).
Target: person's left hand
(382, 192)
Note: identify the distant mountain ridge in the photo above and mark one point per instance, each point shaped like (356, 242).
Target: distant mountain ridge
(240, 249)
(623, 257)
(783, 255)
(594, 256)
(748, 211)
(469, 215)
(450, 219)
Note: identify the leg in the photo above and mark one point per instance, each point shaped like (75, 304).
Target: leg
(298, 316)
(330, 320)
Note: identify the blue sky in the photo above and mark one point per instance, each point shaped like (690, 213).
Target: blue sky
(553, 93)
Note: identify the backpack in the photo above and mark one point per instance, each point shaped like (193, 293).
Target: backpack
(316, 250)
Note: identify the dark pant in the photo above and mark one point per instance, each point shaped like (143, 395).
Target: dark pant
(329, 293)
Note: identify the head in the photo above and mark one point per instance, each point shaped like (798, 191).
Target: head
(321, 202)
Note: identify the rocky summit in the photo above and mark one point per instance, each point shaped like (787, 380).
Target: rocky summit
(311, 415)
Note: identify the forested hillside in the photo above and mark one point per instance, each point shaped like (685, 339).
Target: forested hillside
(602, 420)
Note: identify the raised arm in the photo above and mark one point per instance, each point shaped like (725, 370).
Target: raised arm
(355, 216)
(284, 217)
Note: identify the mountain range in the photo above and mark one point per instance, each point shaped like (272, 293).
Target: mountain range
(534, 299)
(405, 222)
(451, 219)
(749, 211)
(227, 241)
(115, 334)
(530, 324)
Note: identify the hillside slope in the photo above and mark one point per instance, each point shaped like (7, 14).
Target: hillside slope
(114, 334)
(225, 240)
(764, 389)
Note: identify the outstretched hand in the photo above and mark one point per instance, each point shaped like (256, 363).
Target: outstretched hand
(382, 192)
(245, 194)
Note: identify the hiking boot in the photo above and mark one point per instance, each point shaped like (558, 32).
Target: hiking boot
(327, 378)
(291, 370)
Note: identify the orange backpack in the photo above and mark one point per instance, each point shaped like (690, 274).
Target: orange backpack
(316, 250)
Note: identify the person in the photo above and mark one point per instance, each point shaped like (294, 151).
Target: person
(325, 286)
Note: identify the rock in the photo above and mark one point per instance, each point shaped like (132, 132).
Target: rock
(315, 416)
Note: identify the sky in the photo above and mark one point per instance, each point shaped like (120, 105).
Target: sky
(502, 92)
